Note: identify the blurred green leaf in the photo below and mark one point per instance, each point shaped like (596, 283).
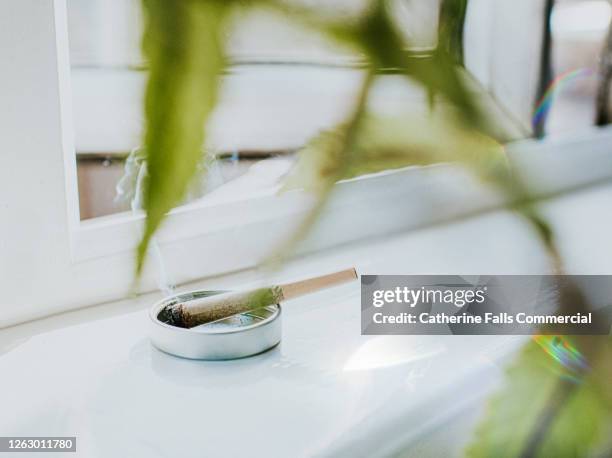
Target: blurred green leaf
(555, 402)
(379, 37)
(392, 142)
(183, 45)
(371, 143)
(450, 34)
(334, 155)
(322, 163)
(375, 34)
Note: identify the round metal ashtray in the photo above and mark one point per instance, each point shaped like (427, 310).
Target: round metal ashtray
(241, 335)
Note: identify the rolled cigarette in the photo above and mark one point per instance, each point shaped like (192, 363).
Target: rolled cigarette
(213, 308)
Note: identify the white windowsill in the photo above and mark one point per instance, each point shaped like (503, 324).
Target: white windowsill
(345, 394)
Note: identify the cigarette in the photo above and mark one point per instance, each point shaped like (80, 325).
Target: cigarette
(213, 308)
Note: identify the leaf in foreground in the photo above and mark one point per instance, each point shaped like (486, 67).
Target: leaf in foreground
(182, 43)
(385, 143)
(557, 402)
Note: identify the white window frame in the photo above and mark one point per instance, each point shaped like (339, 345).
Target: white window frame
(52, 261)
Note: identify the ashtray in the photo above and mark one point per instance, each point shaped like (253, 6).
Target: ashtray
(237, 336)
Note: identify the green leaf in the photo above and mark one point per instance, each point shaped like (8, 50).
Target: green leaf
(369, 143)
(329, 158)
(385, 142)
(387, 50)
(375, 35)
(450, 34)
(392, 142)
(334, 154)
(557, 402)
(182, 43)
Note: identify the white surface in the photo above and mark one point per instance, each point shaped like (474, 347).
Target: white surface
(121, 397)
(581, 19)
(38, 205)
(105, 32)
(325, 391)
(503, 43)
(261, 107)
(324, 388)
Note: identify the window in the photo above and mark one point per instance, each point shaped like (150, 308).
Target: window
(284, 85)
(82, 107)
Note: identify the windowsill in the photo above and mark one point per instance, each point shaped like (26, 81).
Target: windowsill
(345, 393)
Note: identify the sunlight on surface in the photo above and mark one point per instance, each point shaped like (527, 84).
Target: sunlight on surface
(386, 351)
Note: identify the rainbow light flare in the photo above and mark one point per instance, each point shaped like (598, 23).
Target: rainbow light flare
(562, 80)
(563, 352)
